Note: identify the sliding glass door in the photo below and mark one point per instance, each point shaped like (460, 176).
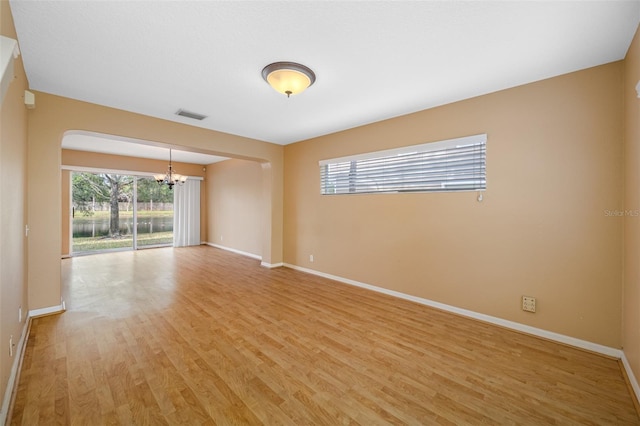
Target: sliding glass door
(119, 212)
(154, 214)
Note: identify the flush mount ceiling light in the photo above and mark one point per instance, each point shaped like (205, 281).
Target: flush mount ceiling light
(288, 78)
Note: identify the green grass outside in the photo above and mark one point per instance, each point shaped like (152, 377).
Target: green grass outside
(104, 243)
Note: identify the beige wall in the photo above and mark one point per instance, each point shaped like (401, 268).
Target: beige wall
(53, 116)
(234, 204)
(72, 158)
(13, 209)
(631, 308)
(554, 157)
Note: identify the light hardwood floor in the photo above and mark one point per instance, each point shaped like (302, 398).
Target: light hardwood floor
(202, 336)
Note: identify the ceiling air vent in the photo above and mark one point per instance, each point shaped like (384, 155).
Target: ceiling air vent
(190, 114)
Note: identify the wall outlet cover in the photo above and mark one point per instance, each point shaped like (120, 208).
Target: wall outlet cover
(528, 304)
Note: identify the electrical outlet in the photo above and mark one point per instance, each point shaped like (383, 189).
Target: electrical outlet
(310, 258)
(11, 345)
(20, 314)
(528, 304)
(221, 238)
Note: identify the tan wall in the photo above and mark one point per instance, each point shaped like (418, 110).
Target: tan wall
(53, 116)
(235, 202)
(631, 308)
(13, 208)
(554, 157)
(72, 158)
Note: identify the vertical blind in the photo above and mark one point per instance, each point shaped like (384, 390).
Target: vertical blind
(186, 214)
(451, 165)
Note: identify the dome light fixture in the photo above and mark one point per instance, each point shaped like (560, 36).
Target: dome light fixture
(288, 78)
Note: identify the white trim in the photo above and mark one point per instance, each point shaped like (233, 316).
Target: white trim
(244, 253)
(121, 172)
(431, 146)
(17, 361)
(550, 335)
(46, 311)
(631, 376)
(9, 51)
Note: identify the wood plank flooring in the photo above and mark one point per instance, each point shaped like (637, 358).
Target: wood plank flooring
(202, 336)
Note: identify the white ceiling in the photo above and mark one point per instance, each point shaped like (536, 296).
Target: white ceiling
(373, 59)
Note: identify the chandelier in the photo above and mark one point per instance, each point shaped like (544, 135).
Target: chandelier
(170, 178)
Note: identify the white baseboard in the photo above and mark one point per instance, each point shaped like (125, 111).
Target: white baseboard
(17, 361)
(244, 253)
(561, 338)
(271, 265)
(49, 310)
(65, 256)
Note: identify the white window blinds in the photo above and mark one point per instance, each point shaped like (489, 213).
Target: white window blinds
(451, 165)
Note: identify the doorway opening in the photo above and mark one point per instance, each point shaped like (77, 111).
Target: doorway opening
(113, 212)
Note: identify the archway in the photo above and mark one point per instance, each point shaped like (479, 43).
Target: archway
(55, 116)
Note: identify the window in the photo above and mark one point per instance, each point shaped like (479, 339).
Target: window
(451, 165)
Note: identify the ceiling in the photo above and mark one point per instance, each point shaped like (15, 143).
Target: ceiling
(373, 59)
